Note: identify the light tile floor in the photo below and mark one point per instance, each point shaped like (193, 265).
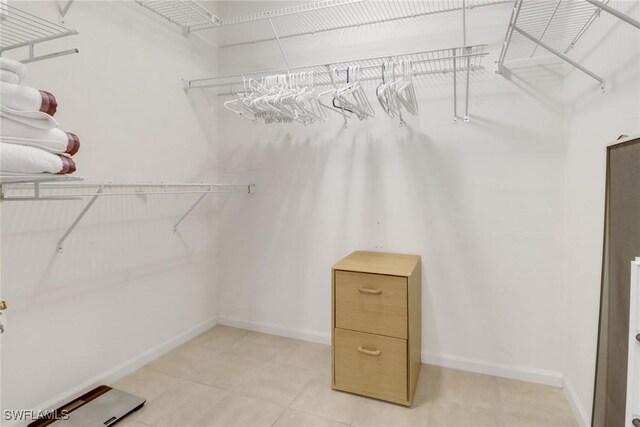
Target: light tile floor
(231, 377)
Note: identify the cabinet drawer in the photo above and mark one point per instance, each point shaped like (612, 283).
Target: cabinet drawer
(372, 303)
(370, 364)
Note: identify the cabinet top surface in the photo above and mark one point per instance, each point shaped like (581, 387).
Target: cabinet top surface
(379, 263)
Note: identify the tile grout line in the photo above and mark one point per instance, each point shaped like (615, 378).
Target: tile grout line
(500, 410)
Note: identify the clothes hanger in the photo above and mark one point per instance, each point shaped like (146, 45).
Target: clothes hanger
(353, 96)
(335, 105)
(406, 91)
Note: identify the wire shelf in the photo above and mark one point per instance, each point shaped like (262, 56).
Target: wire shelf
(559, 24)
(31, 179)
(20, 29)
(331, 15)
(62, 187)
(424, 63)
(540, 27)
(29, 188)
(188, 14)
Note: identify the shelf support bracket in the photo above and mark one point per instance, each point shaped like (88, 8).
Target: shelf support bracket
(466, 92)
(596, 14)
(64, 10)
(507, 38)
(81, 215)
(467, 51)
(561, 55)
(48, 56)
(455, 89)
(186, 214)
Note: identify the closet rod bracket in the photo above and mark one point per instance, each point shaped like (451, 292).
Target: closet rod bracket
(76, 221)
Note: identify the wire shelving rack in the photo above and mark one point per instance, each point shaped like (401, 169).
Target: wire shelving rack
(22, 29)
(187, 14)
(331, 15)
(304, 19)
(454, 60)
(424, 63)
(553, 27)
(24, 188)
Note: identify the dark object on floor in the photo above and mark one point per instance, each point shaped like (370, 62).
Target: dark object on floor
(102, 406)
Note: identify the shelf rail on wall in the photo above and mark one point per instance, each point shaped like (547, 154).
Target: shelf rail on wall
(553, 26)
(57, 188)
(22, 29)
(452, 60)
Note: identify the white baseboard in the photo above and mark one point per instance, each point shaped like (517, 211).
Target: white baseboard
(578, 410)
(268, 328)
(122, 369)
(522, 373)
(514, 372)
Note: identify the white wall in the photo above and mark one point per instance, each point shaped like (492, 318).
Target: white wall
(506, 211)
(125, 284)
(594, 120)
(481, 202)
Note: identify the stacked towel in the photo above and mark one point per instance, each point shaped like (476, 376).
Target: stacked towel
(31, 161)
(9, 77)
(12, 71)
(52, 140)
(23, 98)
(34, 119)
(30, 141)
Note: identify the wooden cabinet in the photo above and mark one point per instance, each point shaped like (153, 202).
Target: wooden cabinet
(376, 325)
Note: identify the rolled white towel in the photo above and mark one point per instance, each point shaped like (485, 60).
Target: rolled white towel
(9, 77)
(29, 160)
(54, 140)
(66, 144)
(24, 98)
(36, 119)
(16, 67)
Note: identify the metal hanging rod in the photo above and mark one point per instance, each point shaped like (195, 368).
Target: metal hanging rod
(427, 62)
(22, 29)
(555, 26)
(44, 188)
(323, 16)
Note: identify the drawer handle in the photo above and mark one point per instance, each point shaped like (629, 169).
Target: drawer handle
(370, 291)
(369, 352)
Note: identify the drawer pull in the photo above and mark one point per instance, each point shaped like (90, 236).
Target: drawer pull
(369, 352)
(370, 291)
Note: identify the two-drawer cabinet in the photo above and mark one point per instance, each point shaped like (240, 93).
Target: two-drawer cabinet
(376, 325)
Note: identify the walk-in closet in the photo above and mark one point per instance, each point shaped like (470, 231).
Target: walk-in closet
(327, 213)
